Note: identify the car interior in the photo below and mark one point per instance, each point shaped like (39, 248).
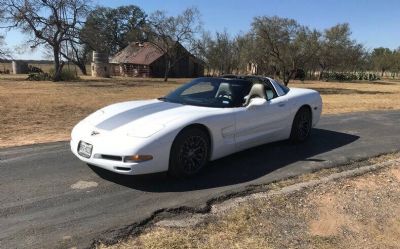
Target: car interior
(266, 87)
(224, 92)
(259, 89)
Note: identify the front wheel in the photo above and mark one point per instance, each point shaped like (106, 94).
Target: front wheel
(189, 152)
(301, 127)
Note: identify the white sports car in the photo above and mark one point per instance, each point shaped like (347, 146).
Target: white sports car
(203, 120)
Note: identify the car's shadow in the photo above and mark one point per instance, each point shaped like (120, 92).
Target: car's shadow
(240, 167)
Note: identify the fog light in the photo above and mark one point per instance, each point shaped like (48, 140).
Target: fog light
(137, 158)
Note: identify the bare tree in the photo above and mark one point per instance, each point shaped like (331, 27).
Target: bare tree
(242, 45)
(202, 48)
(396, 57)
(223, 54)
(76, 52)
(383, 59)
(109, 30)
(4, 53)
(290, 45)
(303, 51)
(47, 22)
(256, 53)
(334, 47)
(174, 36)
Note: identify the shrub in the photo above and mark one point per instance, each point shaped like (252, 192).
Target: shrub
(39, 76)
(33, 69)
(345, 76)
(66, 74)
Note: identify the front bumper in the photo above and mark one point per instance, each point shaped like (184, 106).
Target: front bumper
(115, 149)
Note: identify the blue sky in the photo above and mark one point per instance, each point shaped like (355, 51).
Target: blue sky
(373, 22)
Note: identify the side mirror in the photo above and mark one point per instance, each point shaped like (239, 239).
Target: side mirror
(254, 102)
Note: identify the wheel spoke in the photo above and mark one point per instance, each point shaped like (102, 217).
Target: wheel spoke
(193, 153)
(304, 125)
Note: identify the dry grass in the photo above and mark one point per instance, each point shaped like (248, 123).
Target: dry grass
(36, 112)
(351, 97)
(359, 212)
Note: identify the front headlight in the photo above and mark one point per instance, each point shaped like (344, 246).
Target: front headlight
(144, 131)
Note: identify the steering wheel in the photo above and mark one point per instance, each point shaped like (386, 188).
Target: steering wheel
(225, 98)
(224, 95)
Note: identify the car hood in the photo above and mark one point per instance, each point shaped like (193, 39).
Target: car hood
(139, 118)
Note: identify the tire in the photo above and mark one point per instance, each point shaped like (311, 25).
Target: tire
(301, 127)
(189, 153)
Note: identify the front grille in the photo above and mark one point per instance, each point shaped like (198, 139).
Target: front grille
(109, 157)
(122, 168)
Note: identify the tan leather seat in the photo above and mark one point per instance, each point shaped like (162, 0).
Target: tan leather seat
(256, 91)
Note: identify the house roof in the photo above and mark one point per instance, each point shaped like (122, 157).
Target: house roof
(137, 53)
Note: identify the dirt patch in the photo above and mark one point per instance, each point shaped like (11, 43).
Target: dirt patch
(365, 184)
(396, 173)
(330, 219)
(335, 214)
(363, 212)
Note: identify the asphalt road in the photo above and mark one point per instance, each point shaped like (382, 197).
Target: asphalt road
(49, 199)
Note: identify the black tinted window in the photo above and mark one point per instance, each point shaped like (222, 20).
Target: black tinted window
(211, 92)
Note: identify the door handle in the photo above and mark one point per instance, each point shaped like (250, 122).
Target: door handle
(281, 104)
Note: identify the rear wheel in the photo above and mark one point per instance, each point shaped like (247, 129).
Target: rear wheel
(301, 126)
(189, 152)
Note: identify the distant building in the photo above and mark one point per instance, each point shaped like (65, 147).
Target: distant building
(19, 67)
(252, 68)
(146, 60)
(100, 65)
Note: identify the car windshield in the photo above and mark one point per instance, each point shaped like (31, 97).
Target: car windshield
(211, 92)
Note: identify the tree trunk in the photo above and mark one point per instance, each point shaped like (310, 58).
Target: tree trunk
(275, 74)
(82, 67)
(57, 64)
(167, 69)
(285, 77)
(321, 74)
(286, 81)
(81, 64)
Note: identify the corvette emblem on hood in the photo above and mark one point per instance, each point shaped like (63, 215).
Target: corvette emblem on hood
(94, 133)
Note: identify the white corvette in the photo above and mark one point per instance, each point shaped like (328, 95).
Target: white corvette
(203, 120)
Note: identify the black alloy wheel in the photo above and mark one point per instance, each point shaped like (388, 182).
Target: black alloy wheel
(189, 153)
(301, 127)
